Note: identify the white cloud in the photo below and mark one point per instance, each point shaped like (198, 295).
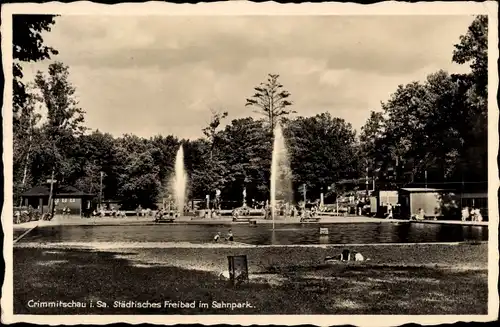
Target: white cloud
(150, 75)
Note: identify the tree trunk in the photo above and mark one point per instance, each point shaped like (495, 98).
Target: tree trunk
(51, 207)
(25, 172)
(271, 115)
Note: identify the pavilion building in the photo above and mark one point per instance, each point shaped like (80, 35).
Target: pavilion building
(69, 197)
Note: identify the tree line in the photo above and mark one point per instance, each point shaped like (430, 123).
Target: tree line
(435, 131)
(436, 128)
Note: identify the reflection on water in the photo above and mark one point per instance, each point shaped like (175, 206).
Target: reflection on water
(324, 239)
(360, 233)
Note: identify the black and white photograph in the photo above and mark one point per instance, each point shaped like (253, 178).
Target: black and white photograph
(226, 160)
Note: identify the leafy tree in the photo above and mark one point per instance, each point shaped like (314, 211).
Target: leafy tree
(27, 46)
(210, 131)
(371, 134)
(473, 50)
(429, 130)
(246, 147)
(24, 139)
(271, 100)
(137, 173)
(64, 117)
(95, 153)
(323, 151)
(417, 130)
(208, 172)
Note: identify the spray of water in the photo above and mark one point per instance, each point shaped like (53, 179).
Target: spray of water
(179, 181)
(281, 174)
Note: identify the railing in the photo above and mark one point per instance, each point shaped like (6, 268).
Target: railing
(334, 214)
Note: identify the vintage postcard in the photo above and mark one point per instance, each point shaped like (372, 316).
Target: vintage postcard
(250, 163)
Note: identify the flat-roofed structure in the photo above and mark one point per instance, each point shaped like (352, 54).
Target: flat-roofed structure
(436, 203)
(69, 197)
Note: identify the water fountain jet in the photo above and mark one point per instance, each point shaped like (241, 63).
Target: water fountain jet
(179, 181)
(281, 177)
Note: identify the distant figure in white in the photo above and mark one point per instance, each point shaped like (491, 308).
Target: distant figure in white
(314, 211)
(420, 214)
(476, 214)
(217, 237)
(389, 211)
(465, 214)
(348, 255)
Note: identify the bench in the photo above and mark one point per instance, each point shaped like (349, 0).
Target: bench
(242, 219)
(334, 214)
(310, 220)
(164, 220)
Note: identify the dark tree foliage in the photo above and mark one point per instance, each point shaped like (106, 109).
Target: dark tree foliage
(473, 49)
(246, 151)
(435, 128)
(27, 45)
(435, 131)
(323, 151)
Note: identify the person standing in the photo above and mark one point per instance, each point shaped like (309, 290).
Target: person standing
(479, 217)
(389, 211)
(359, 206)
(421, 214)
(476, 214)
(17, 214)
(465, 214)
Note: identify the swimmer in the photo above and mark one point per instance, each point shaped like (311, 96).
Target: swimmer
(230, 236)
(348, 255)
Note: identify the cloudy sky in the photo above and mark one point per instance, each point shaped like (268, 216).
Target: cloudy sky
(161, 75)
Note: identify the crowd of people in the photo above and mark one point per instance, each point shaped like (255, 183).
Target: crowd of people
(284, 209)
(27, 214)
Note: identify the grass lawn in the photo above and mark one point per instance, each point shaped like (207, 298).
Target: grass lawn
(419, 279)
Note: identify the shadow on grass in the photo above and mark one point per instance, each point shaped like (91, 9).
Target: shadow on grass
(85, 276)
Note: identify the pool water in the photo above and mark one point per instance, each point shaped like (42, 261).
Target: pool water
(284, 234)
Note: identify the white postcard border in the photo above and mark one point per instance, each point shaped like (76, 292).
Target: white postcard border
(247, 8)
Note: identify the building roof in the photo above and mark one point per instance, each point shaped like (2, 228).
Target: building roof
(474, 195)
(360, 180)
(59, 191)
(422, 189)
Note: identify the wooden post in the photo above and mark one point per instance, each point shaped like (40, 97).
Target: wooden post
(25, 172)
(100, 192)
(366, 182)
(305, 197)
(50, 204)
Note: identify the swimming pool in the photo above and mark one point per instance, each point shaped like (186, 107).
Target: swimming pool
(263, 234)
